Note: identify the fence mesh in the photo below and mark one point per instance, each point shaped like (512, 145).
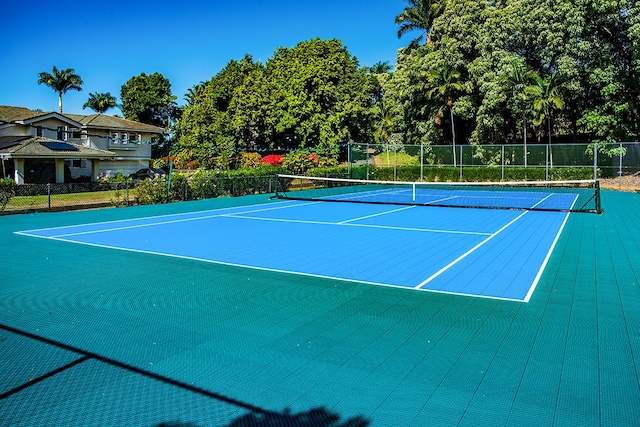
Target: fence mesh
(541, 161)
(53, 197)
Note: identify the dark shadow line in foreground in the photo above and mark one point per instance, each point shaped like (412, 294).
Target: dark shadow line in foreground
(89, 355)
(34, 381)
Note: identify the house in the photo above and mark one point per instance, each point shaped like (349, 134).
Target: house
(73, 146)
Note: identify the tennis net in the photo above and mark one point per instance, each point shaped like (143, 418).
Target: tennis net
(566, 196)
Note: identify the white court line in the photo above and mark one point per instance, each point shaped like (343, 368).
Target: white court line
(386, 227)
(370, 193)
(288, 202)
(152, 224)
(546, 259)
(441, 200)
(377, 214)
(472, 250)
(276, 270)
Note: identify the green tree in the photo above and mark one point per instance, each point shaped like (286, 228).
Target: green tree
(148, 99)
(593, 45)
(208, 127)
(100, 102)
(313, 95)
(61, 81)
(445, 85)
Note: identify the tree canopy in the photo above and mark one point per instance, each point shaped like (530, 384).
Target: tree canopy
(148, 99)
(590, 50)
(312, 95)
(490, 72)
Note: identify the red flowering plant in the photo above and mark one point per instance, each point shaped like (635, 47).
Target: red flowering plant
(272, 159)
(300, 161)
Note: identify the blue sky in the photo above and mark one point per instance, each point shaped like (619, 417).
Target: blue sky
(109, 42)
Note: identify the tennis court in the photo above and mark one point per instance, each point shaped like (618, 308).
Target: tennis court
(249, 310)
(489, 253)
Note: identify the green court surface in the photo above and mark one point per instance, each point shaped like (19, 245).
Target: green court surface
(94, 336)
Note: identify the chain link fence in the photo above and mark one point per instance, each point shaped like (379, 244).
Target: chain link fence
(57, 197)
(543, 161)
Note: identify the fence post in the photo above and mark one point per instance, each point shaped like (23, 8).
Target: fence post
(395, 163)
(460, 160)
(348, 164)
(595, 161)
(502, 161)
(126, 185)
(546, 163)
(49, 196)
(620, 166)
(421, 161)
(367, 156)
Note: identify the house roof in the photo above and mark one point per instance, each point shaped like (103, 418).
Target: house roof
(21, 115)
(110, 122)
(17, 114)
(29, 147)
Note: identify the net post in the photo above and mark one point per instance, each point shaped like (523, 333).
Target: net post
(275, 188)
(413, 188)
(598, 203)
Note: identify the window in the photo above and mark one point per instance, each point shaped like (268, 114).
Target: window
(115, 139)
(74, 163)
(38, 130)
(62, 133)
(75, 133)
(125, 138)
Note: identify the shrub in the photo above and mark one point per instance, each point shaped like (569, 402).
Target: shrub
(326, 161)
(272, 159)
(7, 190)
(162, 163)
(193, 164)
(181, 159)
(250, 160)
(298, 162)
(152, 191)
(330, 172)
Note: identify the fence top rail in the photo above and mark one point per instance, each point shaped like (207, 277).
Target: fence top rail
(444, 184)
(516, 144)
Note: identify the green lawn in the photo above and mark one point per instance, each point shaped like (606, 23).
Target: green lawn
(114, 197)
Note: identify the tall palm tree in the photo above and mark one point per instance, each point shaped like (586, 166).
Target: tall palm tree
(547, 98)
(381, 67)
(445, 84)
(100, 102)
(419, 16)
(61, 81)
(519, 77)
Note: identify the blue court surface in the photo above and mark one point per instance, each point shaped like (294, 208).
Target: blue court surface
(490, 253)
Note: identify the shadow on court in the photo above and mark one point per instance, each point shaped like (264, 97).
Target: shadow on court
(317, 417)
(256, 417)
